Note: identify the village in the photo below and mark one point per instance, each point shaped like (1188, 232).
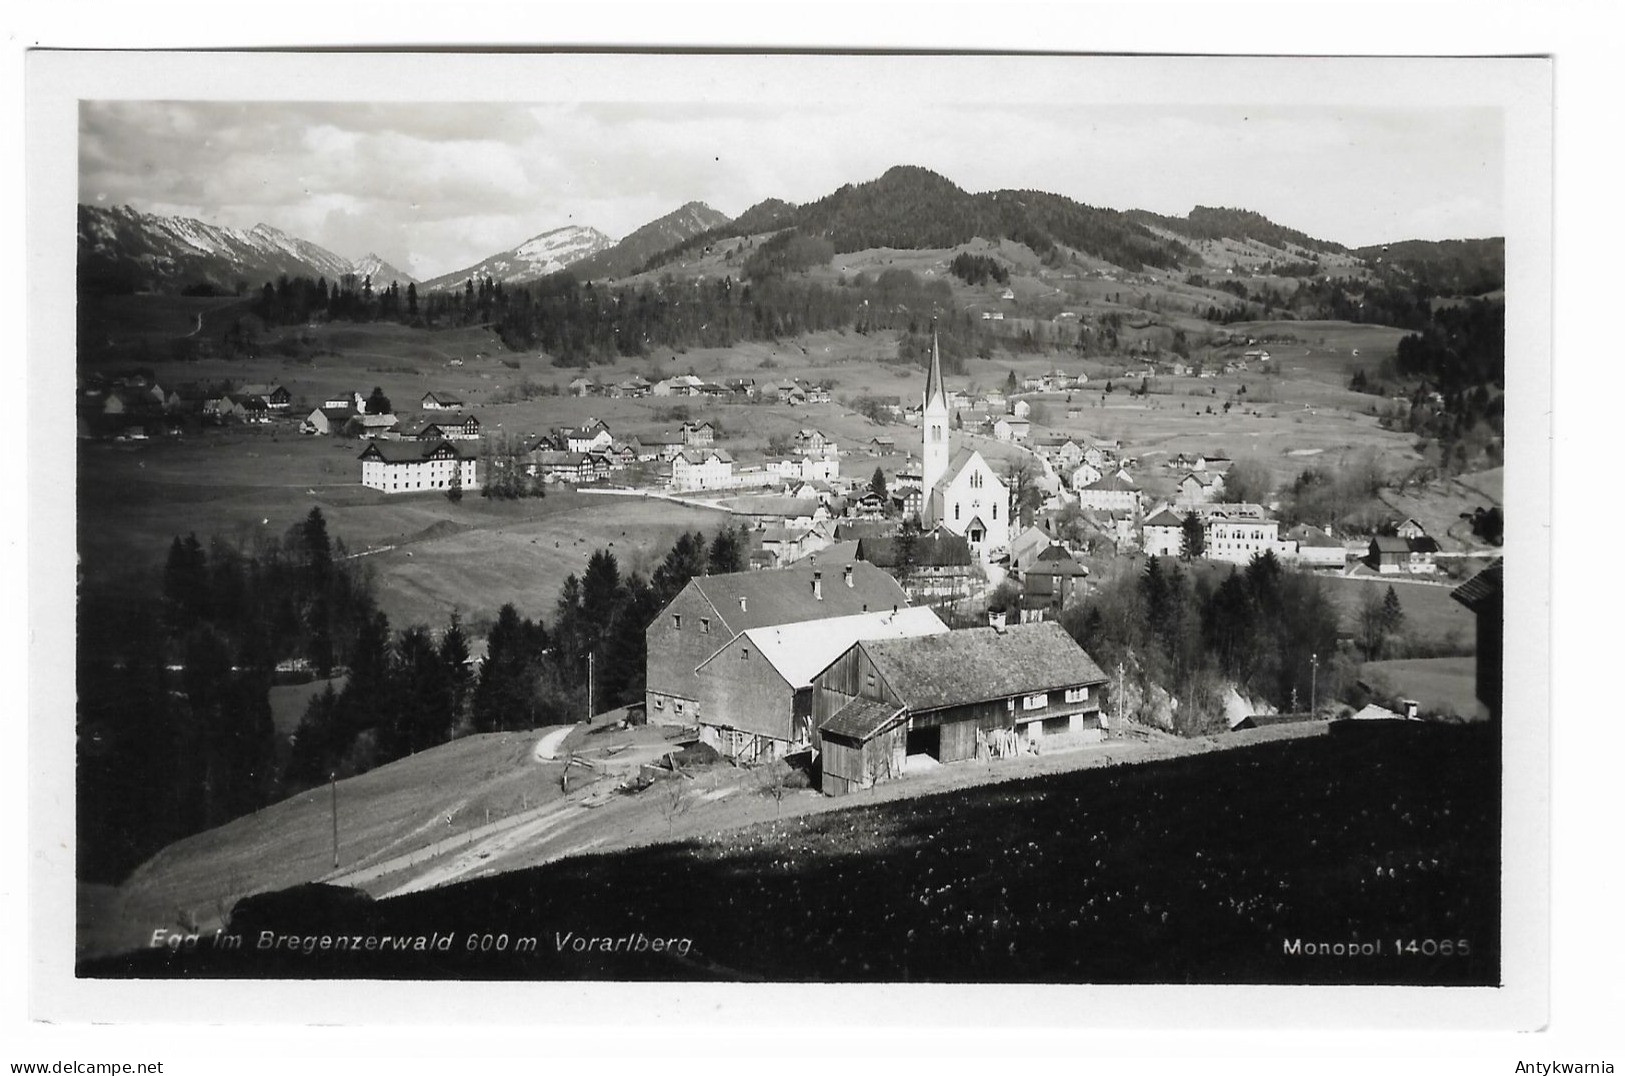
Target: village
(898, 614)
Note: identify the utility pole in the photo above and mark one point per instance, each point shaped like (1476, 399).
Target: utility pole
(1122, 703)
(333, 781)
(1314, 671)
(589, 684)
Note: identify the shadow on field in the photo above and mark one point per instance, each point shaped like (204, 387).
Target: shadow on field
(1229, 867)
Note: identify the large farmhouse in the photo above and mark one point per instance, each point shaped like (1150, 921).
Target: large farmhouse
(713, 609)
(755, 690)
(950, 696)
(414, 466)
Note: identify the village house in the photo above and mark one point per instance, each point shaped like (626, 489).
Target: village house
(1316, 548)
(813, 444)
(326, 421)
(555, 465)
(951, 696)
(1084, 475)
(453, 428)
(695, 468)
(656, 446)
(583, 386)
(1482, 594)
(416, 466)
(682, 385)
(1050, 582)
(371, 426)
(1011, 428)
(740, 386)
(1162, 534)
(441, 401)
(710, 611)
(1200, 487)
(355, 401)
(698, 433)
(1114, 492)
(1389, 553)
(939, 568)
(276, 397)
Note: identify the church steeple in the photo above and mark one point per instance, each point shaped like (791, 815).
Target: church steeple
(933, 433)
(934, 392)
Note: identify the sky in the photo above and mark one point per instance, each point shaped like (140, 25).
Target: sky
(435, 187)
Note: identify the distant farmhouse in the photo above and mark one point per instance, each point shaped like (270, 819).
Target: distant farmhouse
(441, 401)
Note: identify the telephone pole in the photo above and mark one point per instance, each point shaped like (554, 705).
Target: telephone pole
(1122, 703)
(1314, 671)
(589, 684)
(333, 781)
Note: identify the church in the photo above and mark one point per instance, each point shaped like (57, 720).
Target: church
(962, 492)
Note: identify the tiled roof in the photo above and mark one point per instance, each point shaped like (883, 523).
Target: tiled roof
(978, 664)
(1165, 518)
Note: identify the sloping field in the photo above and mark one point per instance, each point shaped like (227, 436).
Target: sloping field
(384, 812)
(1215, 868)
(526, 561)
(1430, 613)
(1441, 685)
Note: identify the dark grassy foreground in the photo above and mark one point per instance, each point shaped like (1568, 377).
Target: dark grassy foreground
(1195, 870)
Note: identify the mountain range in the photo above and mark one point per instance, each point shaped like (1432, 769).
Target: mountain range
(905, 208)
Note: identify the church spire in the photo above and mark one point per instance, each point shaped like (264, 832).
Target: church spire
(933, 380)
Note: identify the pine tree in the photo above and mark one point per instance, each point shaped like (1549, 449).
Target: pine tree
(877, 484)
(1393, 615)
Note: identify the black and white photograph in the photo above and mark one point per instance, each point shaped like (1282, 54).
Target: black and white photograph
(803, 519)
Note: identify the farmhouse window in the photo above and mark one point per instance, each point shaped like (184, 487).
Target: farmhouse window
(744, 653)
(705, 625)
(1077, 694)
(660, 702)
(677, 621)
(1035, 702)
(677, 706)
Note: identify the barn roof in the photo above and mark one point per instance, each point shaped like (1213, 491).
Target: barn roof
(1481, 590)
(802, 650)
(785, 595)
(861, 719)
(1165, 518)
(978, 664)
(1055, 560)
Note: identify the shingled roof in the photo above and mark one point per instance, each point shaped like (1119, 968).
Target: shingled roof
(412, 451)
(785, 595)
(860, 719)
(1482, 590)
(978, 664)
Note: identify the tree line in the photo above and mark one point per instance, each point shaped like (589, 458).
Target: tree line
(1191, 634)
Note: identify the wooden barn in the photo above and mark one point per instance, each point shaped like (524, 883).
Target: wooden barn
(951, 697)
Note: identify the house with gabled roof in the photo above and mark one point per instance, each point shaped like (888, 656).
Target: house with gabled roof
(713, 609)
(1113, 492)
(756, 687)
(417, 466)
(939, 566)
(441, 401)
(950, 696)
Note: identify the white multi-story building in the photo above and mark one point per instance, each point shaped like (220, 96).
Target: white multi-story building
(702, 469)
(417, 466)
